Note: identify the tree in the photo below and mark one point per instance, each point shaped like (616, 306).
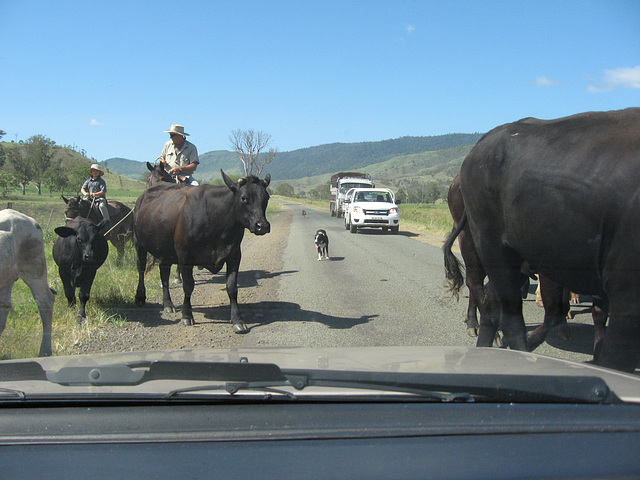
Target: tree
(285, 190)
(249, 146)
(321, 192)
(40, 155)
(21, 169)
(7, 180)
(77, 172)
(58, 179)
(2, 154)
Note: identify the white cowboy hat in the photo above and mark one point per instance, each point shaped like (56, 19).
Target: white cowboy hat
(97, 167)
(179, 129)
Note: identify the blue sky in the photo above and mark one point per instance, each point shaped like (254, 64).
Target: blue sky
(109, 76)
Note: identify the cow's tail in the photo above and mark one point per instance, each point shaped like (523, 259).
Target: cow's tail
(454, 270)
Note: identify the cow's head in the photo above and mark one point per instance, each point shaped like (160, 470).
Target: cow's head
(87, 235)
(251, 199)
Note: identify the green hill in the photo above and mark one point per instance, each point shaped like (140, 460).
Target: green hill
(391, 162)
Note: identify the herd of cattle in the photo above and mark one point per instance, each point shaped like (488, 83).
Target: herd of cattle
(178, 224)
(561, 199)
(554, 199)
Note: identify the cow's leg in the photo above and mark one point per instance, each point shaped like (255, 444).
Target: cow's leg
(599, 313)
(475, 283)
(44, 298)
(141, 262)
(5, 306)
(165, 273)
(474, 279)
(233, 265)
(489, 317)
(555, 311)
(187, 287)
(621, 345)
(68, 285)
(86, 281)
(506, 284)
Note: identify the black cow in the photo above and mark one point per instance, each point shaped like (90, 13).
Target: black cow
(525, 202)
(555, 297)
(120, 230)
(79, 251)
(198, 226)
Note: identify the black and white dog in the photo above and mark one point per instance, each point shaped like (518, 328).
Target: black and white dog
(322, 244)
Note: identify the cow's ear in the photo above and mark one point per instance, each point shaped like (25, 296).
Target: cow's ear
(65, 232)
(267, 180)
(150, 167)
(66, 200)
(230, 183)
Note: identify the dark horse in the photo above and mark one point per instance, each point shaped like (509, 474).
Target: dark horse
(121, 228)
(198, 226)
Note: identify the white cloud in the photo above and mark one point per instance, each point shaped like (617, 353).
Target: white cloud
(617, 78)
(95, 123)
(545, 82)
(409, 29)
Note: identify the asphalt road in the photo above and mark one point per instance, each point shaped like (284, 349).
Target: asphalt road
(379, 289)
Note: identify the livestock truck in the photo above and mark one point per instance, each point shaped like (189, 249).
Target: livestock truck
(340, 183)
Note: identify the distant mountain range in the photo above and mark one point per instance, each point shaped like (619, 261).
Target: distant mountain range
(390, 161)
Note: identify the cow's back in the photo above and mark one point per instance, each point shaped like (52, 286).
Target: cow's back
(167, 215)
(557, 191)
(21, 247)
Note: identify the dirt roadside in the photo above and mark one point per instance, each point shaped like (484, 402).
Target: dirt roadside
(149, 328)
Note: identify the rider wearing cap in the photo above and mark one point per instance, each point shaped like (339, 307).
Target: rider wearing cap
(95, 188)
(179, 157)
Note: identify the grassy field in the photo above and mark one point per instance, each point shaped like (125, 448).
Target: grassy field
(113, 286)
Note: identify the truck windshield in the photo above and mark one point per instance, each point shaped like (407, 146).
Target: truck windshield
(348, 186)
(373, 197)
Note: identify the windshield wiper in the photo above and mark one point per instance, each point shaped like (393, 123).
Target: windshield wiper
(444, 387)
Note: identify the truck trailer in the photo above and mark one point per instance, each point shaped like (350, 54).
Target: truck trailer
(340, 183)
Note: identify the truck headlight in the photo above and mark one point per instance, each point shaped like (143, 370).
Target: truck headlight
(357, 210)
(393, 211)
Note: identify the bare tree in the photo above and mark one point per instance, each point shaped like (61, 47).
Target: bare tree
(249, 146)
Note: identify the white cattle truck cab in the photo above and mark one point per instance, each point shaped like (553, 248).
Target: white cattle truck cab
(371, 208)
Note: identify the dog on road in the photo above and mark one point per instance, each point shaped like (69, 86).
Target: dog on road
(322, 244)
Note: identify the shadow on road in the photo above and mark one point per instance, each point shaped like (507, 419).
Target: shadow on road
(264, 313)
(248, 278)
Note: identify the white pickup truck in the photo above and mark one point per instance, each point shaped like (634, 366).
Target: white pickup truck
(371, 208)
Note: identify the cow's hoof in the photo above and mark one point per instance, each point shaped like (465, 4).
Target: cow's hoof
(169, 309)
(140, 301)
(240, 328)
(81, 319)
(472, 332)
(187, 322)
(564, 331)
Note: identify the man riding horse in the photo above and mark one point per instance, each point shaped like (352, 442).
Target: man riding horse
(179, 157)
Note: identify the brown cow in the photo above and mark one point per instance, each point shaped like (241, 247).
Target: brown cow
(198, 226)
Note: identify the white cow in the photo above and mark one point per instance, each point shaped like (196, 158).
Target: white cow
(22, 256)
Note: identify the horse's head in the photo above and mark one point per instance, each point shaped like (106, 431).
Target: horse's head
(76, 207)
(158, 174)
